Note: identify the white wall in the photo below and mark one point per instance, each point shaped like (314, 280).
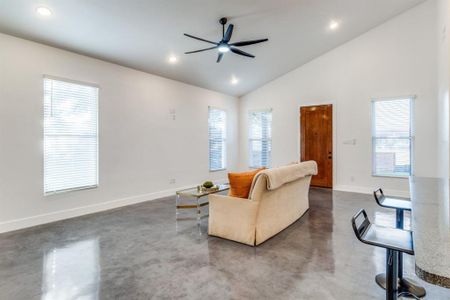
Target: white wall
(141, 147)
(397, 58)
(443, 67)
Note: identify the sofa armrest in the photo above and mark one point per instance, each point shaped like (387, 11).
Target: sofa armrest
(233, 218)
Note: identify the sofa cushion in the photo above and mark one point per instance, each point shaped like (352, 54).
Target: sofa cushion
(240, 183)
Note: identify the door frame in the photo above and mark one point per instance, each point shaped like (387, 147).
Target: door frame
(334, 134)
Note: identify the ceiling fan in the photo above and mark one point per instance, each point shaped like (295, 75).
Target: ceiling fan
(224, 45)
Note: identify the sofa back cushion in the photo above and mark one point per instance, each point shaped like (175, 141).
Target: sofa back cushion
(240, 183)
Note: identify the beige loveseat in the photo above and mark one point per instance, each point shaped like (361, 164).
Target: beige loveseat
(278, 197)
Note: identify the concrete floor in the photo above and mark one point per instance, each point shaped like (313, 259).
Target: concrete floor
(141, 252)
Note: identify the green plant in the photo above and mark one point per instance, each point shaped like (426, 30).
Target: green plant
(208, 184)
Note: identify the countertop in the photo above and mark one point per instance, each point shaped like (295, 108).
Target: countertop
(431, 228)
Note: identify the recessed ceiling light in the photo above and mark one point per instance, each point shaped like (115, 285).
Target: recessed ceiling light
(334, 25)
(173, 59)
(234, 80)
(44, 11)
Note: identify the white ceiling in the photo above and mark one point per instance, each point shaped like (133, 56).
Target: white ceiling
(141, 34)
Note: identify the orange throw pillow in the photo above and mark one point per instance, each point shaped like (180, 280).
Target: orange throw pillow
(240, 183)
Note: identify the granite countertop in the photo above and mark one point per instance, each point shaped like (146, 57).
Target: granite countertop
(431, 228)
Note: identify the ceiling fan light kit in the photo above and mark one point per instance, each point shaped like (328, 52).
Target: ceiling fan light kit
(224, 45)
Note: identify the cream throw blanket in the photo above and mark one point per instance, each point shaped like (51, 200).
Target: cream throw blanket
(278, 176)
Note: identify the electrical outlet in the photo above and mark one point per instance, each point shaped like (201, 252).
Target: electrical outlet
(172, 181)
(350, 142)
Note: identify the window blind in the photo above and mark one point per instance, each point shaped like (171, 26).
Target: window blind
(392, 137)
(260, 138)
(70, 136)
(217, 139)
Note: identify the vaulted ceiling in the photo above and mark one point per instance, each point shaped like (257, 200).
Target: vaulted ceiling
(143, 34)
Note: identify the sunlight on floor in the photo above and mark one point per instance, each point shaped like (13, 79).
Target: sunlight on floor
(72, 272)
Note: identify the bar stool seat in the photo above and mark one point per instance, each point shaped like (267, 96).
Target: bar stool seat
(391, 238)
(395, 203)
(391, 202)
(384, 237)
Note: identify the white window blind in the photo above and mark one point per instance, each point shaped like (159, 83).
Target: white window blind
(70, 136)
(217, 132)
(260, 138)
(392, 138)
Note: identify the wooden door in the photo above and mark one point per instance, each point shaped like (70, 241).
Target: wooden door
(316, 139)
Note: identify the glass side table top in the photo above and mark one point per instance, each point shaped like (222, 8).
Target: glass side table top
(195, 193)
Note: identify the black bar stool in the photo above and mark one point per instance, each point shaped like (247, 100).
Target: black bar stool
(400, 206)
(395, 241)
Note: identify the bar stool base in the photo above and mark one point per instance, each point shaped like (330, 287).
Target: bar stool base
(404, 285)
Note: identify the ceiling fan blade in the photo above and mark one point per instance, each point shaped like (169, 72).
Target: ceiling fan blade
(228, 34)
(246, 43)
(190, 52)
(200, 39)
(219, 58)
(240, 52)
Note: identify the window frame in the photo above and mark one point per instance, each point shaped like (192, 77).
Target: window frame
(250, 139)
(411, 136)
(224, 141)
(97, 114)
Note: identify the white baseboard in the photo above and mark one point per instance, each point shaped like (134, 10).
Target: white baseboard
(369, 190)
(84, 210)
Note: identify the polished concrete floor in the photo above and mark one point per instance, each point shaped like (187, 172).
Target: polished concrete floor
(142, 252)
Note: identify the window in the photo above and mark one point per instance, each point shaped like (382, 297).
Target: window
(392, 139)
(70, 136)
(217, 132)
(260, 138)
